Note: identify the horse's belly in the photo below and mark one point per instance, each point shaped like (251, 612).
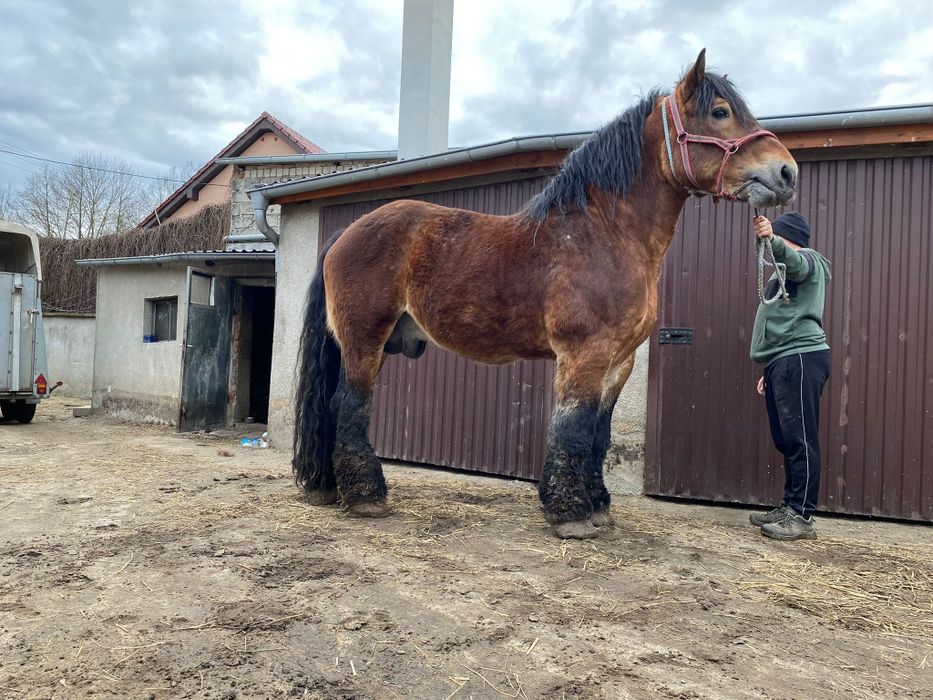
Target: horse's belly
(472, 331)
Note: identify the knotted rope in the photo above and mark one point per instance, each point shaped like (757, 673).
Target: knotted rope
(762, 246)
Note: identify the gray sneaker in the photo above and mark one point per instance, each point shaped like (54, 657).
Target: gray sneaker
(792, 526)
(772, 516)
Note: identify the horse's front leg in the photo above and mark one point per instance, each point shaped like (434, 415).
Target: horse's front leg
(564, 486)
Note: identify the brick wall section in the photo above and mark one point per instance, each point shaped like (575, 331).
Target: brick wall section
(250, 176)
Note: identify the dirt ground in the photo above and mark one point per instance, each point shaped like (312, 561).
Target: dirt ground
(139, 563)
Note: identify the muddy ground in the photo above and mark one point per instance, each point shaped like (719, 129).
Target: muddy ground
(136, 562)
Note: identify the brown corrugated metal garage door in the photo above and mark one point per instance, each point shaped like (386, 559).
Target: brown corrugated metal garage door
(443, 409)
(707, 429)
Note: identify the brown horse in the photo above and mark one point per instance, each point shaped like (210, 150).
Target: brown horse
(574, 276)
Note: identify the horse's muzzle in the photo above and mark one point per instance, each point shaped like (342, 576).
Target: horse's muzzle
(772, 186)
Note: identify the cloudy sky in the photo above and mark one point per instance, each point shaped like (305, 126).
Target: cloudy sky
(165, 82)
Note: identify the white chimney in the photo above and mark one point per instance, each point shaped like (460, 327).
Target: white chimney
(424, 104)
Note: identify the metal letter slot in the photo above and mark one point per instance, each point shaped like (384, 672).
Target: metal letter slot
(676, 336)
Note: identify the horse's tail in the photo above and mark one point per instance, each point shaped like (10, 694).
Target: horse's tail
(318, 372)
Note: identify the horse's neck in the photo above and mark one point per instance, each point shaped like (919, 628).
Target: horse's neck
(659, 206)
(645, 217)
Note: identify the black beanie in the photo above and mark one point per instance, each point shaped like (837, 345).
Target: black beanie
(792, 226)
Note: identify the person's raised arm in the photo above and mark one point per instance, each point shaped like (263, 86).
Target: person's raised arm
(799, 266)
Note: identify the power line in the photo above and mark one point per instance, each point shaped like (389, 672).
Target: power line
(103, 170)
(18, 167)
(25, 167)
(19, 149)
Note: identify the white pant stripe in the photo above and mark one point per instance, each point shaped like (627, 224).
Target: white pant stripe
(806, 445)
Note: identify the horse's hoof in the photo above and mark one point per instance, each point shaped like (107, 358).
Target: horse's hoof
(320, 497)
(576, 530)
(370, 509)
(603, 518)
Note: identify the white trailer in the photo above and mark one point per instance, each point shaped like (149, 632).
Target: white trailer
(24, 372)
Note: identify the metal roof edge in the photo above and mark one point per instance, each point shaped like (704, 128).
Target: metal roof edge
(308, 158)
(851, 119)
(176, 257)
(547, 142)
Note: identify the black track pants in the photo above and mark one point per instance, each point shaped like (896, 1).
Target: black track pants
(793, 386)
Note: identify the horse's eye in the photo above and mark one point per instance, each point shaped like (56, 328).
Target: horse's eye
(720, 113)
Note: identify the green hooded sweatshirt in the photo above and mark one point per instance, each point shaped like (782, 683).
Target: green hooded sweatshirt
(783, 329)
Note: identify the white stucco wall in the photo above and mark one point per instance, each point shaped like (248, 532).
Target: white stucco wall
(69, 342)
(297, 258)
(132, 379)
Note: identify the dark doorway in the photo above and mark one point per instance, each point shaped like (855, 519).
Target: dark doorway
(260, 370)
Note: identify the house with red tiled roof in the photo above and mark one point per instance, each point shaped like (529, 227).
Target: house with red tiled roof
(266, 136)
(185, 338)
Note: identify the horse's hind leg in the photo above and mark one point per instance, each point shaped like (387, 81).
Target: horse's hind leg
(596, 487)
(358, 471)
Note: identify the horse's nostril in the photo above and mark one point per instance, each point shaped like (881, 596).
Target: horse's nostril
(788, 175)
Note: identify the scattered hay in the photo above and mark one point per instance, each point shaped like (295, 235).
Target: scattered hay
(420, 502)
(861, 585)
(881, 588)
(121, 465)
(427, 515)
(642, 521)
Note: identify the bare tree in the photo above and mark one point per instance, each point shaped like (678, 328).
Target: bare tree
(41, 204)
(8, 203)
(96, 196)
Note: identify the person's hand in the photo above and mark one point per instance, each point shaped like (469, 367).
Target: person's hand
(762, 227)
(761, 386)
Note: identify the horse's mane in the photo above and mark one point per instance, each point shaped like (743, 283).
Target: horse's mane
(611, 158)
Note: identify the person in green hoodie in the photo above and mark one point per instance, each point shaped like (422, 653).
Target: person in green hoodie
(788, 339)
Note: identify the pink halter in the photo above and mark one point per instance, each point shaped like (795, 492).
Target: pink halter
(730, 146)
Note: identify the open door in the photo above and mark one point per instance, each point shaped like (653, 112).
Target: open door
(206, 353)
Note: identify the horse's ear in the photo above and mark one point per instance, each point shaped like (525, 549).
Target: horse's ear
(694, 76)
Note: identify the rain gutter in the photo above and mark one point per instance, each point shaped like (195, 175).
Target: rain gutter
(555, 142)
(308, 158)
(851, 119)
(175, 257)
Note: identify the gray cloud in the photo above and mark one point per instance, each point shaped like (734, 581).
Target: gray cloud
(164, 83)
(789, 56)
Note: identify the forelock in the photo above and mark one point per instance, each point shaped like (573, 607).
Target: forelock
(713, 86)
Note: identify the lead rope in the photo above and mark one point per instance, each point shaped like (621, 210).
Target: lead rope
(763, 245)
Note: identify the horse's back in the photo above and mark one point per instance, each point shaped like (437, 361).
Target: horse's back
(464, 277)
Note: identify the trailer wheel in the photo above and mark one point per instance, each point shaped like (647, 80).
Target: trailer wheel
(7, 408)
(24, 412)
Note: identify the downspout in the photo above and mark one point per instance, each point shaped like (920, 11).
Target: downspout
(260, 205)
